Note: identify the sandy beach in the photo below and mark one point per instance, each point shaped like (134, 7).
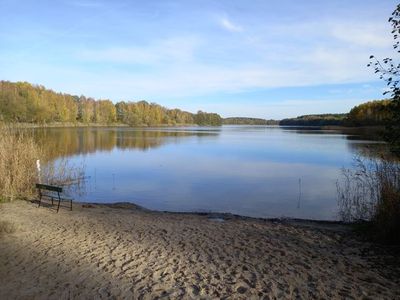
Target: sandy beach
(125, 252)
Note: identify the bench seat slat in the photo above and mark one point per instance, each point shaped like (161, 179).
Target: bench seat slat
(49, 187)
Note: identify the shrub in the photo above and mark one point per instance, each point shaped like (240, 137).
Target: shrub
(370, 193)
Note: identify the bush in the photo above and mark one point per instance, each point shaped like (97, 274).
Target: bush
(370, 193)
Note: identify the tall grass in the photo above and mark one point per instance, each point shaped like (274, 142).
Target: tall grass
(370, 193)
(19, 153)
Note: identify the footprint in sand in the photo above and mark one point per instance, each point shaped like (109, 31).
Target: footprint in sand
(194, 290)
(241, 290)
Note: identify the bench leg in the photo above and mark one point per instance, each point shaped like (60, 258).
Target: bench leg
(71, 204)
(40, 199)
(59, 201)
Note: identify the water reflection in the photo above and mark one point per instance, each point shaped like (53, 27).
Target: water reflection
(365, 142)
(72, 141)
(356, 133)
(247, 170)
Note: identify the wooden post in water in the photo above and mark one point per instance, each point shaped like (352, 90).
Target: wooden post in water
(298, 202)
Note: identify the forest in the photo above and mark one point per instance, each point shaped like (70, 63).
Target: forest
(315, 120)
(27, 103)
(372, 113)
(369, 114)
(22, 102)
(248, 121)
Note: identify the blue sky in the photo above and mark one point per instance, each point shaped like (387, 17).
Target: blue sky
(269, 59)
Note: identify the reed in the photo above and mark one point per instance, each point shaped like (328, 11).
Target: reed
(62, 172)
(18, 155)
(370, 194)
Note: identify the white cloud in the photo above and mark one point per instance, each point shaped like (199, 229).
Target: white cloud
(367, 34)
(229, 25)
(168, 50)
(178, 67)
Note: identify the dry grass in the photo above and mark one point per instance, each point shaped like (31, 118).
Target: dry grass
(18, 155)
(371, 192)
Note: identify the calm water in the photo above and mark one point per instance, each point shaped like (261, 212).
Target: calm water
(248, 170)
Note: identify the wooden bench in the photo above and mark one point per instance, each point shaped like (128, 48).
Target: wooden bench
(51, 192)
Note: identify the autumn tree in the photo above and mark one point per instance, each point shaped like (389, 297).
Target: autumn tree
(24, 102)
(371, 113)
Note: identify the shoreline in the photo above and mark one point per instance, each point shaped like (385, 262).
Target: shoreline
(89, 125)
(221, 215)
(80, 124)
(122, 251)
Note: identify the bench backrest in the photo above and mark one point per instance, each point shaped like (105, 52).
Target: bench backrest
(49, 187)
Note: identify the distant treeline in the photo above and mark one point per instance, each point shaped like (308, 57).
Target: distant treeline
(373, 113)
(315, 120)
(248, 121)
(24, 102)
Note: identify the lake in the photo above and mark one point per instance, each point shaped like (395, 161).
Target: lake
(257, 171)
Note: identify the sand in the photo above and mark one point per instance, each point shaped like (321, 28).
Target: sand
(124, 252)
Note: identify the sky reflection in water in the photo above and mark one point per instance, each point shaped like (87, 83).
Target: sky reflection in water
(246, 170)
